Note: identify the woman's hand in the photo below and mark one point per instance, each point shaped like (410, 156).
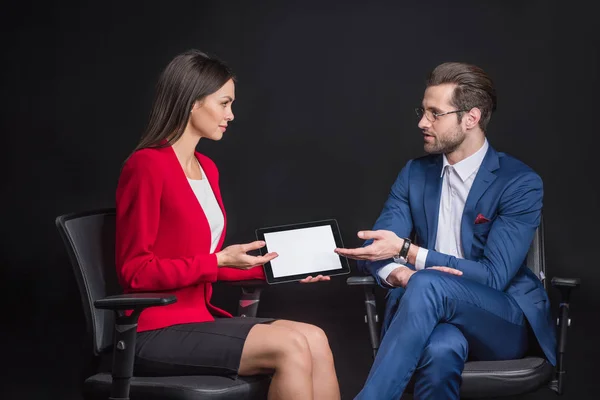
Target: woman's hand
(235, 256)
(318, 278)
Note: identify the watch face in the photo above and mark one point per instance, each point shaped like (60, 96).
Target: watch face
(405, 247)
(399, 260)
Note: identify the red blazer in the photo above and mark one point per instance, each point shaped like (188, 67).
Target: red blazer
(163, 239)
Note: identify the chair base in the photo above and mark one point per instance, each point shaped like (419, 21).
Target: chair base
(196, 387)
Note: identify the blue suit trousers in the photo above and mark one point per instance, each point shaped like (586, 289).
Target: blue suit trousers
(433, 326)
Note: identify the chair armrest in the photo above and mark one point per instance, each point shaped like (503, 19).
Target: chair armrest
(565, 282)
(125, 333)
(250, 283)
(367, 282)
(250, 299)
(134, 300)
(361, 281)
(565, 286)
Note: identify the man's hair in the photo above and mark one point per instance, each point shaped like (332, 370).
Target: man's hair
(474, 88)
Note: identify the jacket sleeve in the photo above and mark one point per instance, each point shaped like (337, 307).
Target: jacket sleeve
(509, 238)
(138, 203)
(235, 274)
(395, 217)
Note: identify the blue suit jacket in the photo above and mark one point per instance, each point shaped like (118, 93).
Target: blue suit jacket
(505, 191)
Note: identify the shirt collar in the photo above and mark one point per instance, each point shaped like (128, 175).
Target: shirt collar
(465, 168)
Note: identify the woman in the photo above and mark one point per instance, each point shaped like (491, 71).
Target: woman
(170, 230)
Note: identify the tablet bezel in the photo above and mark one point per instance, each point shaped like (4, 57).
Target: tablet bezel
(260, 235)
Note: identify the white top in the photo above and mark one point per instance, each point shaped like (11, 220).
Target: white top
(210, 206)
(456, 185)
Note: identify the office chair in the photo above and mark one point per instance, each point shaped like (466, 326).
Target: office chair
(481, 379)
(89, 238)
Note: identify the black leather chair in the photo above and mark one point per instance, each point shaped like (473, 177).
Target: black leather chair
(89, 238)
(481, 379)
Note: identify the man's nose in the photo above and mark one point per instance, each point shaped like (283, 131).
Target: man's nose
(424, 123)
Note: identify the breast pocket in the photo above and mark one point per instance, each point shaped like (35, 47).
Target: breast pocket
(482, 228)
(480, 235)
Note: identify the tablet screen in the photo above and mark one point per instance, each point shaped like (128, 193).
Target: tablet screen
(304, 249)
(294, 259)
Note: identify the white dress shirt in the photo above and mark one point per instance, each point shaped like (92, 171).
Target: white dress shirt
(210, 206)
(457, 182)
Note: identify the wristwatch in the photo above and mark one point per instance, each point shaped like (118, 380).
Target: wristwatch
(401, 258)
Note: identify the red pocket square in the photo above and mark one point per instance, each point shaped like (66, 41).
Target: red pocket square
(481, 219)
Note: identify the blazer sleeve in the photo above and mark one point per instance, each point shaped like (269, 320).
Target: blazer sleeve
(509, 239)
(395, 217)
(138, 214)
(235, 274)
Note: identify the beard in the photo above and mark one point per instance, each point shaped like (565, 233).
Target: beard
(446, 143)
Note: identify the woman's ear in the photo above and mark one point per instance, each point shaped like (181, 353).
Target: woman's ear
(197, 104)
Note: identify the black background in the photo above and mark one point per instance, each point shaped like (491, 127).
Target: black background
(324, 122)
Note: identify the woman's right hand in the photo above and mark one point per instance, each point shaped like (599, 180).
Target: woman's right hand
(235, 256)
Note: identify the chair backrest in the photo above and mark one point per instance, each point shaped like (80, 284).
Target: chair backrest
(536, 261)
(89, 238)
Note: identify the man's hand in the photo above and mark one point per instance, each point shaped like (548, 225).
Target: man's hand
(449, 270)
(401, 275)
(385, 245)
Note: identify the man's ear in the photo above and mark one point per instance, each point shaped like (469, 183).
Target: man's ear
(472, 117)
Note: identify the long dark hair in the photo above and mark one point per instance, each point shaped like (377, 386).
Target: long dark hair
(189, 77)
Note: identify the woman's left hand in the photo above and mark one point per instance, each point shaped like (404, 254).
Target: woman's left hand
(318, 278)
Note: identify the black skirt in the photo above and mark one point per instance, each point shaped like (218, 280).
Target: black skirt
(205, 348)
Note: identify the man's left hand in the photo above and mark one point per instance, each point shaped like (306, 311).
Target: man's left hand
(386, 244)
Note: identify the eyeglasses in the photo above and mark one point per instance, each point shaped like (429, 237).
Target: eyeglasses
(431, 116)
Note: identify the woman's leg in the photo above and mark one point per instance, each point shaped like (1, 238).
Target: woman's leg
(325, 383)
(286, 352)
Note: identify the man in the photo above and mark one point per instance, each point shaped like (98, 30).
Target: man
(462, 289)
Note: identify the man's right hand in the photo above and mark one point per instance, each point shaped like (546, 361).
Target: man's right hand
(235, 256)
(400, 276)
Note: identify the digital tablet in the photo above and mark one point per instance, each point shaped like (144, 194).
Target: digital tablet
(304, 249)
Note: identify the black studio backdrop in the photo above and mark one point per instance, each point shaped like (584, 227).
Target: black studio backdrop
(324, 122)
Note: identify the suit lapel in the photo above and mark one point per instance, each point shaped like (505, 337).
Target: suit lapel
(431, 200)
(482, 182)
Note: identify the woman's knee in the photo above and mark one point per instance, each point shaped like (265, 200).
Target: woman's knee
(318, 342)
(272, 347)
(316, 336)
(294, 351)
